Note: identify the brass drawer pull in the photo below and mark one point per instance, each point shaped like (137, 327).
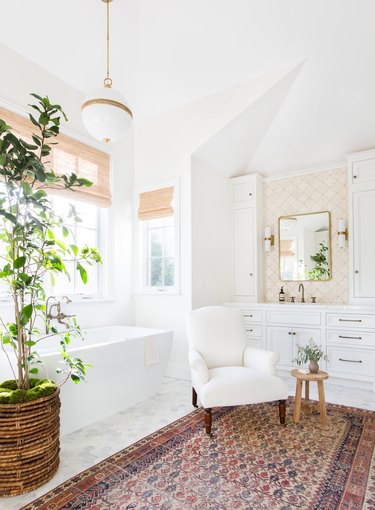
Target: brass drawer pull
(351, 360)
(350, 320)
(351, 337)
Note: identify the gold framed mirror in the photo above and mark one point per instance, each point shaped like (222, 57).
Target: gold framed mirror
(305, 252)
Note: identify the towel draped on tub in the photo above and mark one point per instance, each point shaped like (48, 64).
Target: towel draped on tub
(151, 351)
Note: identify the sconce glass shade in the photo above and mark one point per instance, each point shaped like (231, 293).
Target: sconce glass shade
(267, 239)
(106, 114)
(342, 233)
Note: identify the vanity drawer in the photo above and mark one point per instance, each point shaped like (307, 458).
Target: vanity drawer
(351, 320)
(258, 344)
(253, 331)
(360, 338)
(252, 315)
(296, 317)
(350, 361)
(243, 192)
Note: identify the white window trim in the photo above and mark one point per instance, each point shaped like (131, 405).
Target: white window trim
(106, 229)
(139, 251)
(105, 273)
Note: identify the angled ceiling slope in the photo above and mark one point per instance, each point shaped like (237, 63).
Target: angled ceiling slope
(230, 150)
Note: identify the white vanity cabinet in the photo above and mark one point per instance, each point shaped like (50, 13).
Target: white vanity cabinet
(350, 339)
(346, 335)
(253, 323)
(361, 186)
(247, 245)
(285, 341)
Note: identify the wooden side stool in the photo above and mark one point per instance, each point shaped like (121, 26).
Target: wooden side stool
(319, 378)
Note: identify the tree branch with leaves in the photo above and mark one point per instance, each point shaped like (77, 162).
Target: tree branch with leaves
(35, 241)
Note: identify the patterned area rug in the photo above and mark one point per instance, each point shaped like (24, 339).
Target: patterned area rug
(250, 462)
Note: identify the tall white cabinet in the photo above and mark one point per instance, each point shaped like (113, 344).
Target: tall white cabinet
(247, 242)
(361, 187)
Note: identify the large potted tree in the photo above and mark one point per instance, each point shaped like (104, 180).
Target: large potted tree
(34, 244)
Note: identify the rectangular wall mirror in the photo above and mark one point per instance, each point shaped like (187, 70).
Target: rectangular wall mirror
(305, 247)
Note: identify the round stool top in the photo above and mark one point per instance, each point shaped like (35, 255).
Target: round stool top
(320, 376)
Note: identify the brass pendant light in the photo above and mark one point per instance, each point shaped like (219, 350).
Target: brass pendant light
(105, 113)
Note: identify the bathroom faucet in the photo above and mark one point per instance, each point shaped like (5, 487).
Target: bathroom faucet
(301, 287)
(60, 316)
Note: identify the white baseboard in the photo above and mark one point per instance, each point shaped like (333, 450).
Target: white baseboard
(178, 371)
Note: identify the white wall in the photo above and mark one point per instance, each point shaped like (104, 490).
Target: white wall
(164, 145)
(20, 77)
(211, 236)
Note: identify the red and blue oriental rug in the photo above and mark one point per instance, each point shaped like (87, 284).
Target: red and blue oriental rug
(250, 462)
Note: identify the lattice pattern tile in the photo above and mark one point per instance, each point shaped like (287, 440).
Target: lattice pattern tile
(319, 191)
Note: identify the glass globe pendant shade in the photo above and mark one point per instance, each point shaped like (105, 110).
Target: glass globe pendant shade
(105, 114)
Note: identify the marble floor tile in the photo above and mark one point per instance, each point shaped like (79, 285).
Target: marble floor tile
(90, 445)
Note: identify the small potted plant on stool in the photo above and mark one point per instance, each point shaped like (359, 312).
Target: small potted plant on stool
(311, 353)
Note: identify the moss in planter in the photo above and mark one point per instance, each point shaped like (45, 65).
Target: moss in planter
(9, 385)
(4, 397)
(10, 394)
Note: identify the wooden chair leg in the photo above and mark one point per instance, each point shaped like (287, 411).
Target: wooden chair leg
(322, 403)
(282, 411)
(297, 402)
(208, 420)
(194, 398)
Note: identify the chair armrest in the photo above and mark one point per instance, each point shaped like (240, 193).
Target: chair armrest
(198, 367)
(259, 359)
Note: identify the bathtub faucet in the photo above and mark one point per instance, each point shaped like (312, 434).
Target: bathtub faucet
(60, 316)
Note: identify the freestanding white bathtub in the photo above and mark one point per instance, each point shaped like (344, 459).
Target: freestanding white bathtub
(125, 371)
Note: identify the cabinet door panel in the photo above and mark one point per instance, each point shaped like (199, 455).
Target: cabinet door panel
(243, 192)
(363, 171)
(252, 315)
(285, 317)
(364, 244)
(351, 362)
(349, 337)
(279, 339)
(244, 251)
(301, 336)
(253, 331)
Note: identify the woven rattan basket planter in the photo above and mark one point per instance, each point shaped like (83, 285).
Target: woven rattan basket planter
(29, 444)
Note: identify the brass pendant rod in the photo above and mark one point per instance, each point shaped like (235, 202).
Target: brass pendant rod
(107, 39)
(107, 80)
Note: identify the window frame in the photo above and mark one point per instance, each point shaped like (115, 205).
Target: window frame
(102, 243)
(103, 232)
(141, 244)
(106, 214)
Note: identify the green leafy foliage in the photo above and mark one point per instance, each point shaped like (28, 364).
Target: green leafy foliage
(321, 270)
(309, 352)
(36, 244)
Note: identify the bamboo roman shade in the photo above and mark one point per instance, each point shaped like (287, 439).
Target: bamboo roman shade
(157, 203)
(287, 248)
(70, 156)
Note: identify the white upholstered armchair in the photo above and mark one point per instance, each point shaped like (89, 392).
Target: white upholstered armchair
(225, 370)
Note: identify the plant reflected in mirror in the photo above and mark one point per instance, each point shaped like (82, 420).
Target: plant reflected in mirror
(305, 247)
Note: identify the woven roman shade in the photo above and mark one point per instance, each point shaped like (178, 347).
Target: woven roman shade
(69, 156)
(286, 248)
(156, 203)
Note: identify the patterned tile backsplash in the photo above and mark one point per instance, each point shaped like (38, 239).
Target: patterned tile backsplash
(319, 191)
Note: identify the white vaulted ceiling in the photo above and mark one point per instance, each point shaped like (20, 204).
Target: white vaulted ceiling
(170, 52)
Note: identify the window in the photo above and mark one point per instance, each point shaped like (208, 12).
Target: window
(85, 231)
(71, 155)
(158, 239)
(160, 257)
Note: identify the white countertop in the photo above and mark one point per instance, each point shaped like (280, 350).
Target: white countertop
(321, 307)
